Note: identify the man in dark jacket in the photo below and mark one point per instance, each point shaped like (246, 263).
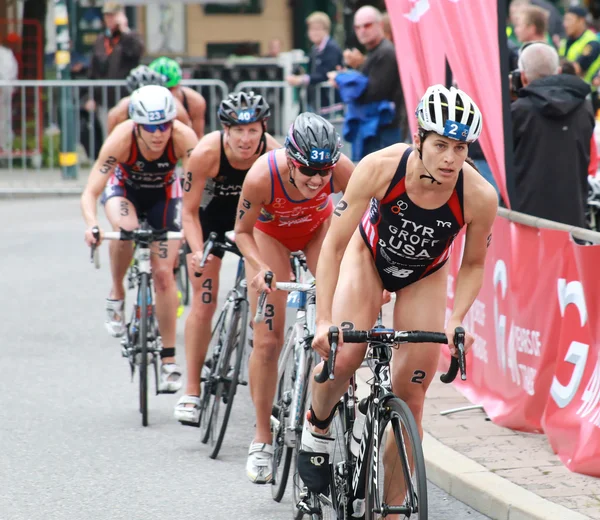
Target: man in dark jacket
(324, 56)
(116, 51)
(553, 124)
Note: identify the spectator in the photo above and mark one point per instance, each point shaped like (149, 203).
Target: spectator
(274, 48)
(325, 56)
(555, 23)
(531, 25)
(116, 51)
(551, 113)
(9, 71)
(376, 110)
(387, 28)
(581, 46)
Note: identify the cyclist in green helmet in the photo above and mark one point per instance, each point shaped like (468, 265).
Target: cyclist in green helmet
(137, 78)
(193, 101)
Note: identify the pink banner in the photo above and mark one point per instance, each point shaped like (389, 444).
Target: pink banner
(419, 49)
(465, 31)
(535, 364)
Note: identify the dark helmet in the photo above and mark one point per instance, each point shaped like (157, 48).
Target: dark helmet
(313, 141)
(142, 76)
(243, 108)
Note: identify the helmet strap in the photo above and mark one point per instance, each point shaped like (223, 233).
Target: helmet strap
(419, 149)
(292, 168)
(262, 144)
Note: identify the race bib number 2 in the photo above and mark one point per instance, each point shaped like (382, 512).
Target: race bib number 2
(456, 130)
(156, 115)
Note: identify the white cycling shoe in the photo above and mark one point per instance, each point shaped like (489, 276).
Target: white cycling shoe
(185, 414)
(259, 466)
(169, 379)
(115, 317)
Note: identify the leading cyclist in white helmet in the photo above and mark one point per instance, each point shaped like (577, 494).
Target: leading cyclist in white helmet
(393, 230)
(134, 173)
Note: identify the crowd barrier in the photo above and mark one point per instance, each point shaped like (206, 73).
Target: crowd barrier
(535, 364)
(34, 123)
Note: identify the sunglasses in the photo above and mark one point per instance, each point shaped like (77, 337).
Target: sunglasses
(367, 25)
(163, 127)
(311, 172)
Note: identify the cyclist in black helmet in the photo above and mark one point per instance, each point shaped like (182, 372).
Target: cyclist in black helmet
(137, 78)
(212, 186)
(285, 206)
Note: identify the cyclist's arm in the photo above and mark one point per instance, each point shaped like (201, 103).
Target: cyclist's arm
(202, 164)
(198, 111)
(114, 150)
(182, 114)
(341, 174)
(272, 143)
(483, 202)
(256, 191)
(118, 114)
(185, 141)
(367, 181)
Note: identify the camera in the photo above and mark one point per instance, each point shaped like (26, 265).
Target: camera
(515, 81)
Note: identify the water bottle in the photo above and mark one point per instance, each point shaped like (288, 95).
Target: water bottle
(357, 428)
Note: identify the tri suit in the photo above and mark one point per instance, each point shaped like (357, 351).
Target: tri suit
(218, 208)
(149, 185)
(408, 242)
(293, 222)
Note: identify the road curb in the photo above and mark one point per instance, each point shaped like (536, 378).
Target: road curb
(33, 193)
(478, 487)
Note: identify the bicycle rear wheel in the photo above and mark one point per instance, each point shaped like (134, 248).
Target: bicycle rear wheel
(143, 346)
(282, 451)
(405, 473)
(228, 372)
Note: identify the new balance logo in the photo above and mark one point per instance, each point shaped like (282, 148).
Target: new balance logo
(441, 223)
(164, 164)
(397, 272)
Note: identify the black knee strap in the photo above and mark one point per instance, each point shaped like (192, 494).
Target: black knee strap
(315, 421)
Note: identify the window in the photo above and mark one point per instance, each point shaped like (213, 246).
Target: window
(244, 7)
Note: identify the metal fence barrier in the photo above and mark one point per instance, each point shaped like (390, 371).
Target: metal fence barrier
(32, 132)
(32, 113)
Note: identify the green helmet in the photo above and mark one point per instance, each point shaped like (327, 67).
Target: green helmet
(168, 68)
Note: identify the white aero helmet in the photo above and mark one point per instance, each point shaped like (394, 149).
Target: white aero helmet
(152, 105)
(449, 112)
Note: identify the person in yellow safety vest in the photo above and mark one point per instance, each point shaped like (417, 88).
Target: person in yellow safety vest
(581, 47)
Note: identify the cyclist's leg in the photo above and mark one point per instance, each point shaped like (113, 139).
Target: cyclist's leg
(267, 343)
(198, 324)
(419, 306)
(119, 206)
(358, 298)
(121, 213)
(164, 212)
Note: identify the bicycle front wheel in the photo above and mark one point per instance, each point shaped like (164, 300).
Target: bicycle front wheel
(143, 346)
(183, 281)
(402, 482)
(228, 374)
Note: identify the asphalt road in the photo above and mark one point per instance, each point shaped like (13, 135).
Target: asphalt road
(71, 441)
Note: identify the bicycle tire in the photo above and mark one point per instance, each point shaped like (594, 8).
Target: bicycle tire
(183, 280)
(143, 343)
(398, 409)
(218, 333)
(282, 453)
(236, 341)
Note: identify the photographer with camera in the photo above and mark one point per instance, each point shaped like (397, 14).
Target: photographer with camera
(116, 51)
(553, 124)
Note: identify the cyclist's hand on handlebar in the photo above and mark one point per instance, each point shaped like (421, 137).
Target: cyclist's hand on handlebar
(258, 282)
(450, 328)
(321, 340)
(197, 260)
(90, 239)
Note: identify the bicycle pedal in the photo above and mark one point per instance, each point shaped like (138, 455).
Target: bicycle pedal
(243, 383)
(189, 423)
